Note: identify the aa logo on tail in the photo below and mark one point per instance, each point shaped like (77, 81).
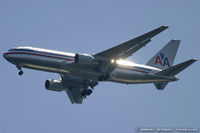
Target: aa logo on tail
(162, 60)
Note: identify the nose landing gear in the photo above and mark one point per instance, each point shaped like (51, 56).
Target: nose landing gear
(19, 67)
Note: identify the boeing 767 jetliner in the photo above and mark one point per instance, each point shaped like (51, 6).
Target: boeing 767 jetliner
(80, 73)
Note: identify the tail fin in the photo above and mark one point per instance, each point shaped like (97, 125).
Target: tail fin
(172, 71)
(165, 57)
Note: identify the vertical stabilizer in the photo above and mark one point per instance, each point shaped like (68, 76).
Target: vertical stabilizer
(165, 57)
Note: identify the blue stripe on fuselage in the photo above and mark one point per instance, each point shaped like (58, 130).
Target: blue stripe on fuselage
(141, 68)
(29, 50)
(26, 50)
(55, 54)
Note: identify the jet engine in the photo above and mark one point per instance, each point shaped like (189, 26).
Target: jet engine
(84, 59)
(55, 85)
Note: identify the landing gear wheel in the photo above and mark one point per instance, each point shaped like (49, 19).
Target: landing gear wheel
(88, 92)
(20, 73)
(83, 93)
(103, 77)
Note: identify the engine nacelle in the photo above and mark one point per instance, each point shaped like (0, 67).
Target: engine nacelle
(54, 85)
(84, 59)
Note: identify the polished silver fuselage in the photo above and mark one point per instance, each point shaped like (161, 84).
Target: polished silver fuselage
(63, 63)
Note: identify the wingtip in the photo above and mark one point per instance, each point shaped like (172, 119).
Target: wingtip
(164, 26)
(194, 60)
(175, 40)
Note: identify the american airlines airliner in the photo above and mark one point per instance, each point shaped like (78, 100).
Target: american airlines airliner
(80, 72)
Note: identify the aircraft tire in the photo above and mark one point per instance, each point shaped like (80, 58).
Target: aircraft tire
(20, 73)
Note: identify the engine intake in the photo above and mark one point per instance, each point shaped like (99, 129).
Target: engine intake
(84, 59)
(54, 85)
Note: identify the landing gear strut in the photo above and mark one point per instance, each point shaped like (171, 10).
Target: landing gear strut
(103, 77)
(19, 67)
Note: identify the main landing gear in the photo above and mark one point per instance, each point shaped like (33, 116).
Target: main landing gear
(19, 67)
(86, 92)
(103, 77)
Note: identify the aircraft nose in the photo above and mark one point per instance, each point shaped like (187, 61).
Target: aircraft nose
(5, 55)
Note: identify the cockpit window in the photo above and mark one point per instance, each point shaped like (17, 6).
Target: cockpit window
(13, 49)
(23, 49)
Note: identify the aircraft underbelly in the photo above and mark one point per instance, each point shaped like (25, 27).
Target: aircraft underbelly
(38, 63)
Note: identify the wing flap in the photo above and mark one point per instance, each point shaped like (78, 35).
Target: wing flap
(132, 50)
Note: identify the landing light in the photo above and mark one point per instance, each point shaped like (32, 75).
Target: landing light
(112, 61)
(125, 62)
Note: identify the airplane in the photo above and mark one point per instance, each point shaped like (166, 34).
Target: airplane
(81, 72)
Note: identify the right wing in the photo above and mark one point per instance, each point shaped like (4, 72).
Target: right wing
(126, 49)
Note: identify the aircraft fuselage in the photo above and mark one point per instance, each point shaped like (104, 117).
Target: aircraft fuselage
(62, 63)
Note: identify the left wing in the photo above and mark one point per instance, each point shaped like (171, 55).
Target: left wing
(73, 86)
(126, 49)
(74, 95)
(77, 88)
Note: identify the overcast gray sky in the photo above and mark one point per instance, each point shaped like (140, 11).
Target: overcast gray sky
(90, 27)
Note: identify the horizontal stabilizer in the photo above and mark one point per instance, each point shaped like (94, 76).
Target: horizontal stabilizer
(177, 68)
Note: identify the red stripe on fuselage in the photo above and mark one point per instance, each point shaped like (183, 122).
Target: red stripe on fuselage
(40, 55)
(131, 69)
